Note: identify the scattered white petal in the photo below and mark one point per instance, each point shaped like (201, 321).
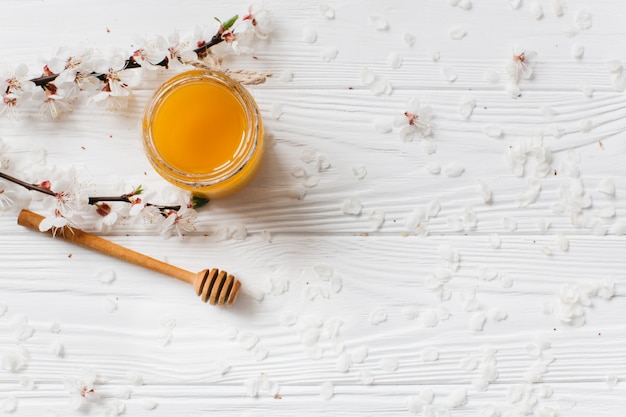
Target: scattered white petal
(327, 390)
(288, 318)
(606, 186)
(110, 305)
(309, 35)
(583, 20)
(410, 312)
(430, 354)
(466, 107)
(485, 193)
(377, 219)
(578, 51)
(388, 364)
(327, 11)
(343, 363)
(359, 354)
(493, 131)
(468, 363)
(277, 110)
(106, 276)
(477, 321)
(149, 405)
(329, 54)
(296, 192)
(366, 377)
(495, 241)
(3, 309)
(134, 378)
(513, 90)
(457, 33)
(359, 171)
(323, 271)
(537, 11)
(435, 55)
(285, 76)
(429, 318)
(377, 316)
(379, 23)
(222, 367)
(558, 7)
(24, 332)
(9, 404)
(562, 242)
(367, 76)
(497, 314)
(27, 383)
(611, 381)
(336, 283)
(586, 125)
(509, 224)
(394, 60)
(449, 73)
(247, 340)
(506, 281)
(615, 66)
(57, 349)
(311, 181)
(351, 206)
(464, 4)
(453, 170)
(383, 125)
(515, 4)
(457, 398)
(266, 236)
(260, 353)
(409, 39)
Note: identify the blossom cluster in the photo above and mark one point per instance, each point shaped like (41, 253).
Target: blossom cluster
(82, 75)
(105, 79)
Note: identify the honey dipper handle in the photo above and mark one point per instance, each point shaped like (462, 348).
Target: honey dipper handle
(32, 220)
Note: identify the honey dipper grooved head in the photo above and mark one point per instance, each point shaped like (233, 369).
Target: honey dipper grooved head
(216, 287)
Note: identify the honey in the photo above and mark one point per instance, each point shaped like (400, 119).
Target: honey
(202, 131)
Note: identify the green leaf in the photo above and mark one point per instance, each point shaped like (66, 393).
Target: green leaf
(198, 201)
(230, 22)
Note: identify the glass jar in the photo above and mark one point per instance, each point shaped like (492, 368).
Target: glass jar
(202, 131)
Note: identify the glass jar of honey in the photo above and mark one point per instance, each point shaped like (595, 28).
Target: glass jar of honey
(202, 131)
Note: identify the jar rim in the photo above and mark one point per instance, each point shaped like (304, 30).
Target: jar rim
(249, 140)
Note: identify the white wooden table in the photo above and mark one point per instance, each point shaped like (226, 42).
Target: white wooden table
(338, 316)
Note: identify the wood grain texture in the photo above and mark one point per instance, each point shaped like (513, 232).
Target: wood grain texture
(327, 298)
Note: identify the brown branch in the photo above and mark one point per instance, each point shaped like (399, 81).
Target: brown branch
(130, 63)
(28, 186)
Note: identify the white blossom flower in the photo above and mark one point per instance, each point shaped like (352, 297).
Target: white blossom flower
(179, 221)
(6, 196)
(74, 71)
(16, 88)
(115, 93)
(54, 222)
(521, 65)
(260, 20)
(107, 217)
(149, 53)
(81, 389)
(417, 120)
(53, 101)
(178, 53)
(69, 197)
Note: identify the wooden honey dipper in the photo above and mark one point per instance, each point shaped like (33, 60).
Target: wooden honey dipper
(215, 286)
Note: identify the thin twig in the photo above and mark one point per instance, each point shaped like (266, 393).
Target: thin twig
(32, 187)
(201, 51)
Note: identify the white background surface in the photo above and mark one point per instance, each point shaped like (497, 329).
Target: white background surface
(291, 331)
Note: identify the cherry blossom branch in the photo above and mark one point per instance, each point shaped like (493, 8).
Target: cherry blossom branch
(201, 51)
(28, 186)
(196, 201)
